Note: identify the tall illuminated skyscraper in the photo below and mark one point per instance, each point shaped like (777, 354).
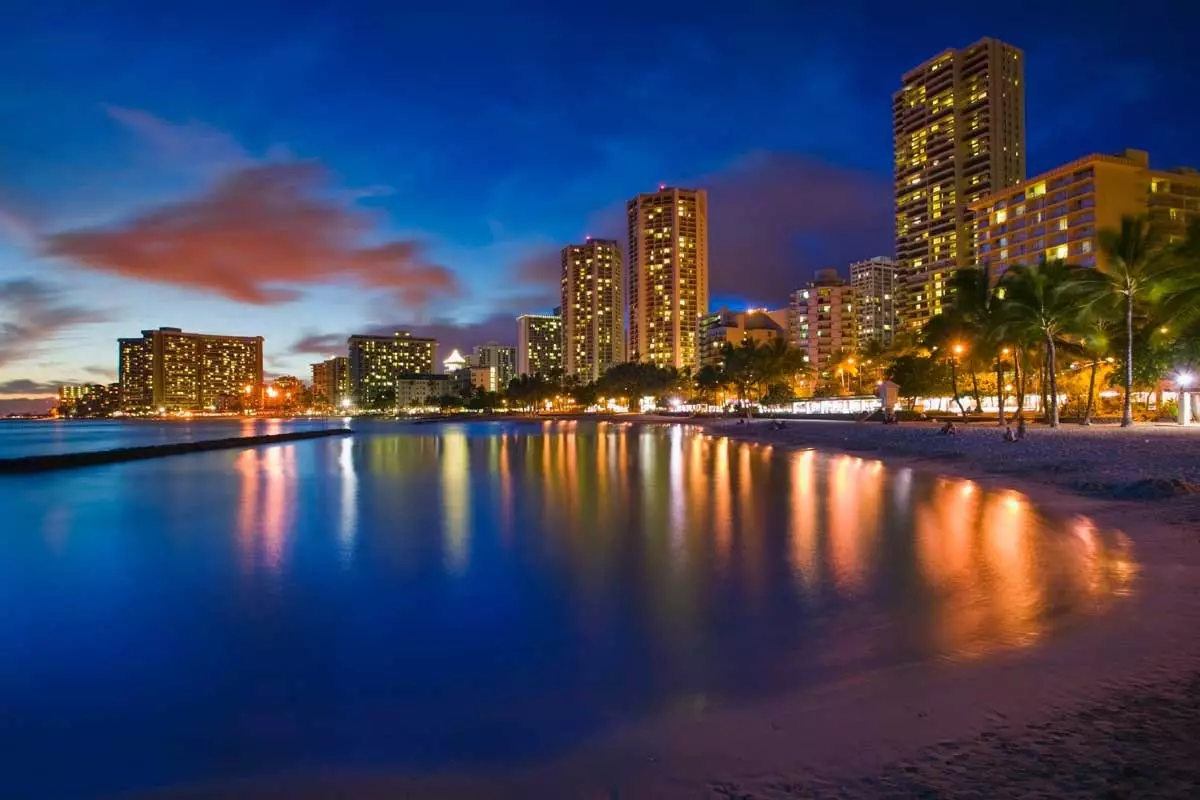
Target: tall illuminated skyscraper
(668, 276)
(539, 345)
(593, 310)
(959, 132)
(874, 284)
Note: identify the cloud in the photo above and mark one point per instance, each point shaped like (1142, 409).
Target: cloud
(775, 218)
(319, 344)
(17, 228)
(32, 313)
(256, 236)
(26, 387)
(192, 145)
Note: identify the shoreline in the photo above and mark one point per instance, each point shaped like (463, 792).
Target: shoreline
(1091, 700)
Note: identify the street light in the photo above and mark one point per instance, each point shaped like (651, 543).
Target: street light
(1185, 379)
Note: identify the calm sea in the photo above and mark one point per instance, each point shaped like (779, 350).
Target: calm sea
(469, 595)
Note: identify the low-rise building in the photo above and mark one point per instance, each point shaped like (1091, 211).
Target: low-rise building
(723, 327)
(1059, 214)
(419, 390)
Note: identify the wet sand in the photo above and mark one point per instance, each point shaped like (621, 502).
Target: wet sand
(1110, 708)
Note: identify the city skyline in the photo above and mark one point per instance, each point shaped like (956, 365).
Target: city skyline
(88, 171)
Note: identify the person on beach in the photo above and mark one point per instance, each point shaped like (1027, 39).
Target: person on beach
(949, 429)
(1009, 434)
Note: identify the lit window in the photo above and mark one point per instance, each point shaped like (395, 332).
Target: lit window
(1062, 224)
(1000, 216)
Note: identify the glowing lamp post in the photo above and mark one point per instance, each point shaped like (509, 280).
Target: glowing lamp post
(1184, 380)
(958, 351)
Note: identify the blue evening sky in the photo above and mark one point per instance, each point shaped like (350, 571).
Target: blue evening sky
(303, 170)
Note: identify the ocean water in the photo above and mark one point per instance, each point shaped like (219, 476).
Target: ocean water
(459, 596)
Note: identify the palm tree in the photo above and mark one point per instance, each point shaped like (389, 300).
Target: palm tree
(1135, 273)
(1048, 300)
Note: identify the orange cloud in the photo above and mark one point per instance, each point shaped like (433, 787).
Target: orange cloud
(256, 236)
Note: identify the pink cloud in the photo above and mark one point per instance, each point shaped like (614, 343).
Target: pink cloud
(259, 233)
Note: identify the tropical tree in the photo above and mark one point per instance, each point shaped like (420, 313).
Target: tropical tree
(1135, 272)
(1046, 300)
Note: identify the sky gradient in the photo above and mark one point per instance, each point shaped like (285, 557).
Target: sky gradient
(303, 170)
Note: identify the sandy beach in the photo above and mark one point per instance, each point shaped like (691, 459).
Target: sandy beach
(1107, 709)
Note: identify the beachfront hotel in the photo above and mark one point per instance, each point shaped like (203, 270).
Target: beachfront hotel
(331, 380)
(821, 320)
(735, 327)
(668, 276)
(539, 345)
(173, 370)
(958, 125)
(874, 284)
(375, 361)
(1059, 214)
(593, 310)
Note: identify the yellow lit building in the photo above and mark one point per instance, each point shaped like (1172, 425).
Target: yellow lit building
(331, 381)
(668, 276)
(821, 321)
(539, 345)
(734, 327)
(874, 284)
(1059, 214)
(173, 370)
(376, 361)
(958, 124)
(593, 309)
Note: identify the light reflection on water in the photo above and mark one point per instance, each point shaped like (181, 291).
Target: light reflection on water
(483, 593)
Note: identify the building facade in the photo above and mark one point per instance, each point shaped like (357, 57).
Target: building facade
(1059, 214)
(959, 133)
(593, 310)
(503, 358)
(179, 371)
(331, 381)
(874, 284)
(539, 345)
(89, 400)
(821, 321)
(375, 361)
(735, 327)
(414, 391)
(668, 276)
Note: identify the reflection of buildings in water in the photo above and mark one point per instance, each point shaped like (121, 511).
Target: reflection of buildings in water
(1016, 583)
(456, 499)
(803, 513)
(504, 470)
(266, 506)
(853, 513)
(1108, 566)
(945, 526)
(722, 493)
(348, 520)
(677, 521)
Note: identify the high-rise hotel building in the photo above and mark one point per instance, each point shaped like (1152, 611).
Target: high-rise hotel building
(959, 133)
(1059, 214)
(593, 309)
(376, 361)
(668, 276)
(177, 371)
(874, 284)
(539, 345)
